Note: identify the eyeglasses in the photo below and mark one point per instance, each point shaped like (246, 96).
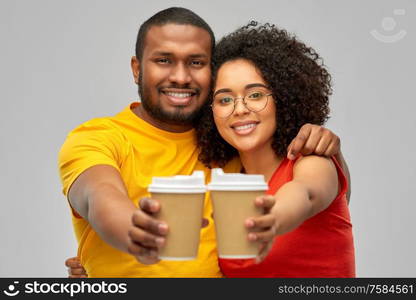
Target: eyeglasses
(224, 105)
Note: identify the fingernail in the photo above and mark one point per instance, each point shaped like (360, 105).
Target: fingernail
(162, 228)
(160, 241)
(249, 223)
(259, 201)
(252, 236)
(153, 206)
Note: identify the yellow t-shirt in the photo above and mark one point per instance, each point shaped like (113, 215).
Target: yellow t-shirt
(139, 151)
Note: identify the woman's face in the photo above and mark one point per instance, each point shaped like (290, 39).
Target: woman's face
(244, 129)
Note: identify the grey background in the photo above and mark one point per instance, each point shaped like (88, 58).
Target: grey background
(64, 62)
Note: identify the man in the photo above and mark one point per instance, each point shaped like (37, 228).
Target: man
(106, 164)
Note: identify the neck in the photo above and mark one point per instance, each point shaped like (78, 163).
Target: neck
(144, 115)
(261, 161)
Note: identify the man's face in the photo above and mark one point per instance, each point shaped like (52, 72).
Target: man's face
(175, 71)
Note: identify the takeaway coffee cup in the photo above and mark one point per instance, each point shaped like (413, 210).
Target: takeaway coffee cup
(233, 196)
(182, 201)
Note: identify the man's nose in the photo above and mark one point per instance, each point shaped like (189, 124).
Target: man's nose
(180, 74)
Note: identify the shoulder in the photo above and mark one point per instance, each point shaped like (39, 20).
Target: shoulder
(314, 164)
(99, 134)
(319, 175)
(103, 129)
(97, 124)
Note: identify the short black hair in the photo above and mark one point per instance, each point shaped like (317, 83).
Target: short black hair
(172, 15)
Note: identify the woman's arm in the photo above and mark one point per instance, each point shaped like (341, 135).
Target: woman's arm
(313, 188)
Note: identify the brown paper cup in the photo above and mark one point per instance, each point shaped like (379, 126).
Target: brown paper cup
(231, 209)
(183, 214)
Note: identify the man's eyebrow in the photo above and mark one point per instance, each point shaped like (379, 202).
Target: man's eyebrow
(162, 53)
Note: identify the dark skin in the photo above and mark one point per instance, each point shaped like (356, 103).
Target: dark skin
(100, 192)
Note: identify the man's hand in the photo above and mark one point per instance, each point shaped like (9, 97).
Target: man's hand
(148, 234)
(314, 139)
(75, 269)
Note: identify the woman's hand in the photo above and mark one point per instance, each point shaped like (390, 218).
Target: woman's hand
(283, 212)
(263, 229)
(313, 188)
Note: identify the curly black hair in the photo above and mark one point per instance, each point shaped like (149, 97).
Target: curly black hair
(298, 79)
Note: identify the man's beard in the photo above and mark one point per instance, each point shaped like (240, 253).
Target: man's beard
(177, 117)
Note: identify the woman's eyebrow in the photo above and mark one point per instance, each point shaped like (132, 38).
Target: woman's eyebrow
(248, 86)
(222, 91)
(251, 85)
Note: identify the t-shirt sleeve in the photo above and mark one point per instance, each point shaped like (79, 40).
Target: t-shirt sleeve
(93, 143)
(342, 179)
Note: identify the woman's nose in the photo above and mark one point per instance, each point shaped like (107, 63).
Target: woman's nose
(240, 106)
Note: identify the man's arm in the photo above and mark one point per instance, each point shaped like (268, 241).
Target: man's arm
(318, 140)
(100, 197)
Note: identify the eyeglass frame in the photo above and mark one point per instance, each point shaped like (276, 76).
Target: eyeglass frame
(244, 103)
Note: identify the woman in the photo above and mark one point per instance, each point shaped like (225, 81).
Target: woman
(267, 84)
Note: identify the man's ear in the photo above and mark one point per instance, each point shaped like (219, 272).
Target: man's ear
(135, 68)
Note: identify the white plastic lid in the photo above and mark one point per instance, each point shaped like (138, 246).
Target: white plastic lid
(221, 181)
(180, 184)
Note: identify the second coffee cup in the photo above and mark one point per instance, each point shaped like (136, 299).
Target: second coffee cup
(233, 196)
(182, 201)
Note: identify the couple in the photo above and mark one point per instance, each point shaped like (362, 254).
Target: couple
(266, 86)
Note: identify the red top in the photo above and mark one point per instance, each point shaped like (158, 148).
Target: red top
(321, 247)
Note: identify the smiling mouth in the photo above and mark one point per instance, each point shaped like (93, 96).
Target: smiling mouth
(244, 129)
(178, 95)
(179, 98)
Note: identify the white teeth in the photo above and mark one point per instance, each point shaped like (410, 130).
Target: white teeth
(179, 95)
(243, 127)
